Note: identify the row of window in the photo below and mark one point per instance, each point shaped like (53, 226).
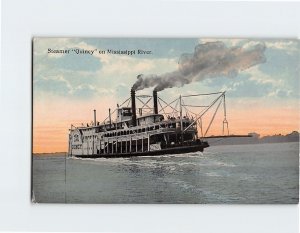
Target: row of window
(141, 130)
(80, 147)
(90, 137)
(127, 132)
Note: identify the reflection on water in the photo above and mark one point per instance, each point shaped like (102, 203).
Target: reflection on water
(263, 173)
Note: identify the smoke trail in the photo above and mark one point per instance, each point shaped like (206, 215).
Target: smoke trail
(212, 59)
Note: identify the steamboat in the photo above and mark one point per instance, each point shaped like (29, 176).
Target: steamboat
(135, 133)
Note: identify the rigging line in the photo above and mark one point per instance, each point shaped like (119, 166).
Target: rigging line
(200, 124)
(184, 106)
(168, 113)
(224, 106)
(166, 107)
(212, 93)
(103, 122)
(146, 110)
(225, 117)
(188, 113)
(169, 103)
(128, 103)
(140, 100)
(143, 102)
(161, 107)
(176, 104)
(186, 110)
(125, 101)
(212, 119)
(200, 106)
(147, 103)
(209, 106)
(204, 111)
(201, 128)
(144, 96)
(65, 177)
(212, 104)
(173, 112)
(196, 115)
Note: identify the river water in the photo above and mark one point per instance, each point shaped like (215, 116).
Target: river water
(244, 174)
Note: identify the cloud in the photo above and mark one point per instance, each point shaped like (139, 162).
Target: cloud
(86, 75)
(53, 84)
(84, 91)
(209, 60)
(76, 62)
(256, 83)
(41, 46)
(101, 74)
(228, 41)
(253, 83)
(279, 75)
(59, 85)
(262, 78)
(243, 87)
(290, 46)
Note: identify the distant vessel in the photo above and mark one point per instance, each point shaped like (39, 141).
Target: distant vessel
(132, 134)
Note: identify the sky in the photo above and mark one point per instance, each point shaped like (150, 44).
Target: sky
(261, 97)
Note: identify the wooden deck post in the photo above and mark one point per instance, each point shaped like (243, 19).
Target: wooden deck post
(136, 144)
(130, 144)
(107, 147)
(121, 146)
(116, 145)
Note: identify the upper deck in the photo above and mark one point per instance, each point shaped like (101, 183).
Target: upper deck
(145, 123)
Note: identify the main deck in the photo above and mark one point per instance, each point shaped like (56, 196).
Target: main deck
(155, 136)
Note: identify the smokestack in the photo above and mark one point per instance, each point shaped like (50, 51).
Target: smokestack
(95, 122)
(133, 107)
(109, 114)
(155, 109)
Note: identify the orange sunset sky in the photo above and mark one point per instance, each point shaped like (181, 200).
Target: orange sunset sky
(263, 98)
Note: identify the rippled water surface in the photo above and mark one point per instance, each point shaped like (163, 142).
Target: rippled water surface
(261, 173)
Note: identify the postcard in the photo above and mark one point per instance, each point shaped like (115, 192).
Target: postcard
(165, 120)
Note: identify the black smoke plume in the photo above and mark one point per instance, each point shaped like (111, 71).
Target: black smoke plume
(212, 59)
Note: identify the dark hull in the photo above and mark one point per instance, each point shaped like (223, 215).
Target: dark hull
(172, 150)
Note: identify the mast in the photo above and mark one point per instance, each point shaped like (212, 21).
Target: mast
(225, 122)
(109, 118)
(180, 111)
(95, 122)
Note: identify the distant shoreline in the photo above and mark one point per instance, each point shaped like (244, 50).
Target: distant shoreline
(256, 139)
(221, 144)
(50, 153)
